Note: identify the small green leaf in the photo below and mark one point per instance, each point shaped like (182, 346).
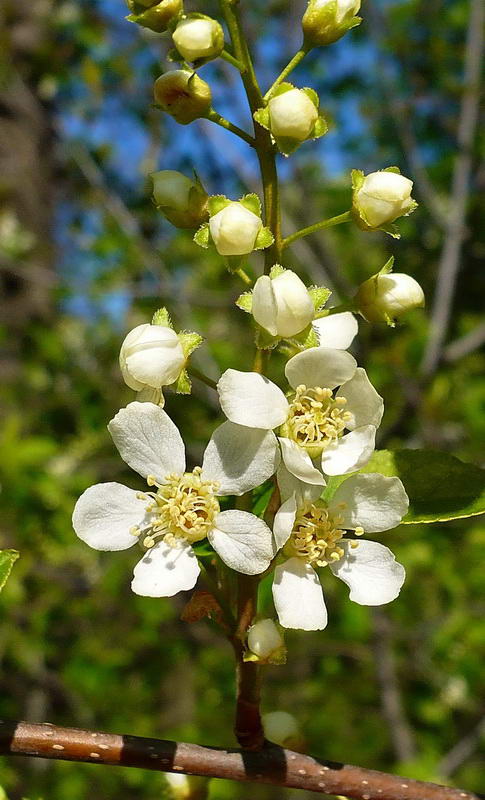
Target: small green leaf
(245, 302)
(319, 296)
(252, 203)
(202, 236)
(264, 239)
(440, 487)
(7, 560)
(162, 317)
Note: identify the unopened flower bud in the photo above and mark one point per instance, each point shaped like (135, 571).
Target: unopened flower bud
(182, 201)
(151, 355)
(386, 297)
(292, 115)
(380, 198)
(183, 95)
(325, 21)
(282, 305)
(234, 230)
(198, 37)
(264, 639)
(154, 15)
(283, 729)
(185, 787)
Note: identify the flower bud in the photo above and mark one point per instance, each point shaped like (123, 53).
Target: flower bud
(292, 115)
(198, 37)
(183, 95)
(325, 21)
(151, 355)
(234, 230)
(182, 201)
(282, 305)
(380, 198)
(154, 15)
(282, 728)
(265, 640)
(386, 297)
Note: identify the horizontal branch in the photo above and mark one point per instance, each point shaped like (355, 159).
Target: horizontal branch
(271, 765)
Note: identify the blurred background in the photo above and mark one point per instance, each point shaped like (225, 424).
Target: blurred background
(84, 256)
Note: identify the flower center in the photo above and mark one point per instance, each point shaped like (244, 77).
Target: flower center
(316, 419)
(183, 507)
(316, 535)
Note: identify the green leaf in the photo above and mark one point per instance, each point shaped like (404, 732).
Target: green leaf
(162, 317)
(7, 560)
(440, 487)
(202, 236)
(252, 203)
(319, 296)
(245, 302)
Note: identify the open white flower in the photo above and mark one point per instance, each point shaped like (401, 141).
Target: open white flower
(313, 533)
(337, 330)
(337, 428)
(183, 507)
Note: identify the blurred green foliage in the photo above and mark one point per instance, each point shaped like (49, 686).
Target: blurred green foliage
(76, 647)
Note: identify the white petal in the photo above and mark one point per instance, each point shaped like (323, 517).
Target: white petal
(163, 571)
(284, 521)
(298, 596)
(371, 501)
(350, 452)
(264, 308)
(250, 399)
(148, 440)
(363, 402)
(240, 458)
(244, 542)
(371, 572)
(289, 485)
(104, 514)
(337, 330)
(320, 366)
(298, 462)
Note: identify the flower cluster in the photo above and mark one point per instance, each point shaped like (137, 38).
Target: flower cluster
(306, 444)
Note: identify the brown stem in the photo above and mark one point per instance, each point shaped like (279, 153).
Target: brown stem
(271, 765)
(248, 726)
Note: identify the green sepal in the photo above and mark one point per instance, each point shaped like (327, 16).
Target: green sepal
(262, 117)
(319, 296)
(216, 203)
(183, 384)
(278, 657)
(282, 89)
(276, 270)
(320, 129)
(390, 229)
(286, 145)
(311, 93)
(189, 341)
(440, 487)
(252, 203)
(7, 560)
(245, 302)
(396, 170)
(356, 21)
(357, 178)
(263, 339)
(201, 237)
(264, 239)
(306, 339)
(162, 317)
(387, 268)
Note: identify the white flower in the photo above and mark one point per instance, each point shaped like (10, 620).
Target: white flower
(197, 37)
(387, 296)
(234, 230)
(282, 305)
(313, 421)
(383, 197)
(292, 114)
(312, 534)
(151, 355)
(264, 639)
(337, 330)
(183, 508)
(325, 21)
